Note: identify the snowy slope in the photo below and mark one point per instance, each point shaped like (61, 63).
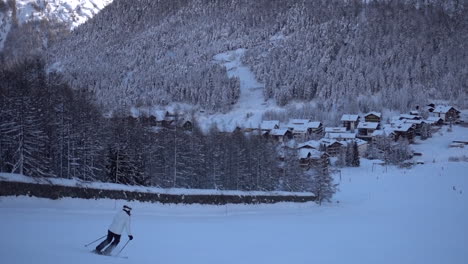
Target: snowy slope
(71, 12)
(381, 215)
(247, 111)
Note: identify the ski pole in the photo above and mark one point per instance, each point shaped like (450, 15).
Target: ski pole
(95, 240)
(123, 247)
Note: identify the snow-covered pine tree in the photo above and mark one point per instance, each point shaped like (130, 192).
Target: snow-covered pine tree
(355, 161)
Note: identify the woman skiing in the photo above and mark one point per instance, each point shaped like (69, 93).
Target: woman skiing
(121, 221)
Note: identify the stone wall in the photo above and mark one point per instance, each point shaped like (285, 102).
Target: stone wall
(57, 192)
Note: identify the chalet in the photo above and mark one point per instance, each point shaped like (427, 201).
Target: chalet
(280, 134)
(373, 117)
(299, 131)
(405, 130)
(365, 129)
(386, 131)
(186, 125)
(362, 145)
(251, 128)
(341, 136)
(293, 122)
(160, 116)
(447, 113)
(303, 128)
(418, 124)
(148, 120)
(350, 121)
(409, 117)
(311, 144)
(311, 158)
(269, 125)
(335, 130)
(434, 121)
(332, 147)
(315, 127)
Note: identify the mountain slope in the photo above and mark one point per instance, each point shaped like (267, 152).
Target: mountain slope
(28, 17)
(155, 52)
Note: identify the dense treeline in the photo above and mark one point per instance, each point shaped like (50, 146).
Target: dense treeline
(401, 52)
(50, 130)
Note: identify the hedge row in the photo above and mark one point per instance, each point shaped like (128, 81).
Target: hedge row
(57, 192)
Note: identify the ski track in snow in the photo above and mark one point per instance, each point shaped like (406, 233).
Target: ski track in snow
(251, 104)
(247, 111)
(382, 215)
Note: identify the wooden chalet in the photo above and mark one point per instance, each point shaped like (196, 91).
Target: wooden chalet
(447, 113)
(341, 136)
(386, 131)
(418, 124)
(315, 127)
(335, 130)
(350, 121)
(280, 134)
(313, 159)
(434, 121)
(311, 144)
(365, 129)
(374, 117)
(361, 144)
(405, 130)
(186, 125)
(409, 117)
(332, 147)
(303, 128)
(269, 125)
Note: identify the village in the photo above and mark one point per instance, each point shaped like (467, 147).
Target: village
(317, 144)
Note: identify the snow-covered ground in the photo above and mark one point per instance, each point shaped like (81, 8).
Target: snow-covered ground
(381, 215)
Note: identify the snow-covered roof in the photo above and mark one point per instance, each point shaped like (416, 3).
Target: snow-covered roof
(298, 121)
(299, 128)
(383, 132)
(414, 112)
(368, 125)
(406, 116)
(268, 125)
(159, 114)
(358, 141)
(311, 144)
(328, 142)
(278, 132)
(442, 109)
(309, 153)
(374, 113)
(414, 121)
(403, 127)
(433, 119)
(341, 135)
(335, 129)
(314, 124)
(350, 118)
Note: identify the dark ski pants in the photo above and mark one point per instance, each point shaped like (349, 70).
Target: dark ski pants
(108, 241)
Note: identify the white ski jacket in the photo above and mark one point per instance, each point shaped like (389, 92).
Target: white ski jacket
(121, 221)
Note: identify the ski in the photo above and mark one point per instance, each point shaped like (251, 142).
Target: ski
(100, 254)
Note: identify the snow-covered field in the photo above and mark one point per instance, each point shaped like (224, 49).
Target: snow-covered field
(381, 215)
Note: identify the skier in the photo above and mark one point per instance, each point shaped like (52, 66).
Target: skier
(121, 221)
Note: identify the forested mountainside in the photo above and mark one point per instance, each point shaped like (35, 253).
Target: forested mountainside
(146, 52)
(30, 26)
